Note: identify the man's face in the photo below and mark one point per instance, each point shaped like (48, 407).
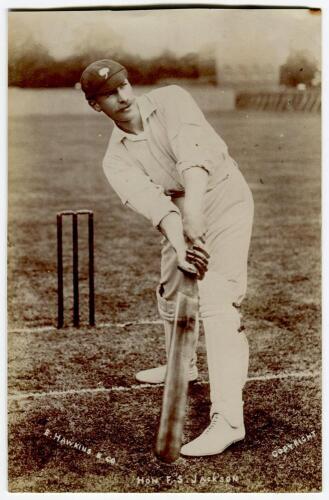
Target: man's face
(119, 104)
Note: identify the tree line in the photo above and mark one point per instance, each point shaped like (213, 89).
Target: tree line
(35, 67)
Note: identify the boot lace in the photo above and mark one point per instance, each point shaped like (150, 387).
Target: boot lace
(213, 422)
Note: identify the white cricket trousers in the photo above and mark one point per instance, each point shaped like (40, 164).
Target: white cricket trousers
(228, 209)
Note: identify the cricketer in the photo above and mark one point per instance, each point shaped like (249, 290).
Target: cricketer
(166, 162)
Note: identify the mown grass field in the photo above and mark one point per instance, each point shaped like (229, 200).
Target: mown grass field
(55, 164)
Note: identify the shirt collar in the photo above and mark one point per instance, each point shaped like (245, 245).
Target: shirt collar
(146, 108)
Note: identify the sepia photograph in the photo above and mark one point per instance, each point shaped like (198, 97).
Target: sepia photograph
(164, 249)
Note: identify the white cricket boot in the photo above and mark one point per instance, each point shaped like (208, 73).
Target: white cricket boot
(157, 375)
(218, 436)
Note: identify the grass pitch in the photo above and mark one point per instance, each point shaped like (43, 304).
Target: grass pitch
(77, 420)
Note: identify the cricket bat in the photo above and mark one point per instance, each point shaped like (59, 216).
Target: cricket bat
(169, 438)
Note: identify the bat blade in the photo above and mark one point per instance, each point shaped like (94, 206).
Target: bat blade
(170, 432)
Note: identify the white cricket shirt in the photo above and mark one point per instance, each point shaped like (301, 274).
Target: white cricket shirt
(145, 169)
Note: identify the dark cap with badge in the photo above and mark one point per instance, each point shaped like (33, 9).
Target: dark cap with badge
(101, 77)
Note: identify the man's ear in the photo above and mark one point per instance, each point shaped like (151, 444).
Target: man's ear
(95, 106)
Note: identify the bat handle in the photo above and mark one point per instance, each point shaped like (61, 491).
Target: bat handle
(189, 284)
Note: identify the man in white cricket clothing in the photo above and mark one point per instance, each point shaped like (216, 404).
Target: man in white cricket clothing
(166, 162)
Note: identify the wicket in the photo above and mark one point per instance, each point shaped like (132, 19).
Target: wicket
(75, 266)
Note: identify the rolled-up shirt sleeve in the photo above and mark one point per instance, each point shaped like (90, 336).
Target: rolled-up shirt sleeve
(137, 191)
(192, 149)
(194, 141)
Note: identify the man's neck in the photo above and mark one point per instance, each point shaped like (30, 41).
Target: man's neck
(134, 126)
(129, 128)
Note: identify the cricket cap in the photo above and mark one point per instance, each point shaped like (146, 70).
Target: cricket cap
(102, 76)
